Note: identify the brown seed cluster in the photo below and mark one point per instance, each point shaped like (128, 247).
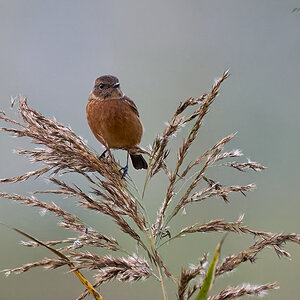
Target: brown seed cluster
(232, 293)
(102, 190)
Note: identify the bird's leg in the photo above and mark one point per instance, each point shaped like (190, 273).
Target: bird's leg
(103, 154)
(125, 169)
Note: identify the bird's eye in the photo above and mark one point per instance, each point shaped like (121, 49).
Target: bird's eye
(101, 85)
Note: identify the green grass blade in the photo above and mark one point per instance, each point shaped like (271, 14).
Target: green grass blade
(210, 275)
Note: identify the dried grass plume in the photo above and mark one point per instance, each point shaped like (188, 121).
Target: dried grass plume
(61, 152)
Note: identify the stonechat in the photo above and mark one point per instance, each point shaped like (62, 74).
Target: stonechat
(114, 118)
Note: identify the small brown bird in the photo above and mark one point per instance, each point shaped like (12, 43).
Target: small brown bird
(114, 118)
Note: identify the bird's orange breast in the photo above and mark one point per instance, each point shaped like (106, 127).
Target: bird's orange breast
(115, 122)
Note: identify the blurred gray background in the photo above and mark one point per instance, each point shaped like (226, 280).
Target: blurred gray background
(163, 52)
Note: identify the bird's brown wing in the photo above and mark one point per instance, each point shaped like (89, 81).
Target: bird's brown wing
(131, 104)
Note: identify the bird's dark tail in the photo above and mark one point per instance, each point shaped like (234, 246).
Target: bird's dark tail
(138, 161)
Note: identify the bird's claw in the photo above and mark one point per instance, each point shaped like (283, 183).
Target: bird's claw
(124, 171)
(102, 155)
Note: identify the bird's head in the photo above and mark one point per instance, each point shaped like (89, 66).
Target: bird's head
(106, 87)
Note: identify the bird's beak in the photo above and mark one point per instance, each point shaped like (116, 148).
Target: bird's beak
(116, 85)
